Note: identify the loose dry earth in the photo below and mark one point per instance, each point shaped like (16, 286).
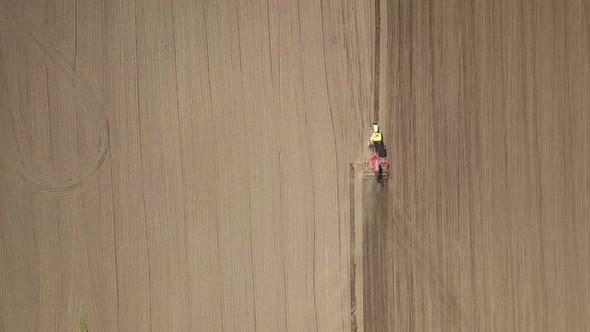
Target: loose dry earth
(184, 165)
(180, 165)
(488, 222)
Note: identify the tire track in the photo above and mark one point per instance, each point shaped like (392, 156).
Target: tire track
(53, 180)
(377, 61)
(402, 248)
(405, 243)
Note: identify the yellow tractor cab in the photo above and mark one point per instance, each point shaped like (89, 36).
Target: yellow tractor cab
(376, 141)
(376, 135)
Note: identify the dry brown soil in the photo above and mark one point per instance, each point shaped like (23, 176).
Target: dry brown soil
(184, 165)
(488, 210)
(177, 165)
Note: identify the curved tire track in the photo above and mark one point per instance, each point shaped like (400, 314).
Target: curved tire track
(54, 180)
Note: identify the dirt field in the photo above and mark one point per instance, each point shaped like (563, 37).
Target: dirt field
(488, 103)
(180, 165)
(184, 165)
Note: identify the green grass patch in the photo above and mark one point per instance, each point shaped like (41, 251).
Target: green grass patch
(83, 321)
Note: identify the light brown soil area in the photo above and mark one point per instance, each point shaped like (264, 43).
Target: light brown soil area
(180, 165)
(487, 106)
(184, 165)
